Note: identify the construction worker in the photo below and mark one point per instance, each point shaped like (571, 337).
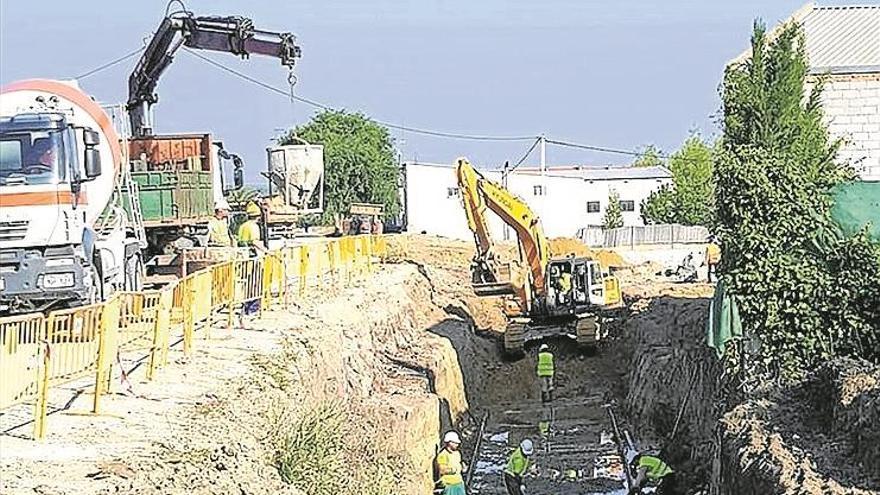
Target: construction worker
(545, 372)
(713, 257)
(565, 286)
(218, 227)
(249, 231)
(449, 465)
(648, 470)
(517, 465)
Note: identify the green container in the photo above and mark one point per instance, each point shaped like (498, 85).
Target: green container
(173, 196)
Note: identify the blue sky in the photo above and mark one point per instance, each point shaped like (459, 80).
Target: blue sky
(621, 74)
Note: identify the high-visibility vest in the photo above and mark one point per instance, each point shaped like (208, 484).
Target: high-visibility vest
(518, 463)
(248, 233)
(713, 254)
(218, 233)
(656, 468)
(450, 460)
(545, 364)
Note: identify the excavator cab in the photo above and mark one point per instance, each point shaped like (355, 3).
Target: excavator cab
(575, 285)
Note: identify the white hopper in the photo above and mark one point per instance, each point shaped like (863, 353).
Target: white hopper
(295, 172)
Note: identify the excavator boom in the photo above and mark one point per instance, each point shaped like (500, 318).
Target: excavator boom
(232, 34)
(489, 277)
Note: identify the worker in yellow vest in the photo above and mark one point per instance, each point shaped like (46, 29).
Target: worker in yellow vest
(449, 465)
(545, 372)
(249, 231)
(516, 468)
(713, 257)
(218, 226)
(649, 470)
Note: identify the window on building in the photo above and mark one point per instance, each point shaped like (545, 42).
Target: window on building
(452, 192)
(538, 190)
(628, 205)
(592, 207)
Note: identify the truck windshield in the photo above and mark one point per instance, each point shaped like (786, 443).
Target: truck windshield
(32, 157)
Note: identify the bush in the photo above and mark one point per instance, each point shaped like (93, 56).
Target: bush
(805, 292)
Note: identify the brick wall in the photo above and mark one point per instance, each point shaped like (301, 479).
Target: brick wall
(852, 112)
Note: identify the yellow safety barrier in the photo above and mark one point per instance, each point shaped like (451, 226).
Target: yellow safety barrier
(43, 351)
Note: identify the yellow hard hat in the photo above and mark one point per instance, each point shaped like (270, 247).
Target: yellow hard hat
(252, 209)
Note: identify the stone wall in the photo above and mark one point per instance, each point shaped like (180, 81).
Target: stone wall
(852, 112)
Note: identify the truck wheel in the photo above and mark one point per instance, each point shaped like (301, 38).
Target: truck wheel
(134, 273)
(98, 277)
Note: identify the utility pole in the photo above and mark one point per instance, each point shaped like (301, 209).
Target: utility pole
(504, 173)
(543, 201)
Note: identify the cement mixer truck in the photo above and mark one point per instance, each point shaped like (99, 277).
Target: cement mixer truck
(65, 237)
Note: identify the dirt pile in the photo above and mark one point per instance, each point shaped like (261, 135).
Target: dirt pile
(816, 437)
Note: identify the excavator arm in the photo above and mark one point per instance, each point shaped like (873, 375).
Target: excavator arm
(232, 34)
(489, 277)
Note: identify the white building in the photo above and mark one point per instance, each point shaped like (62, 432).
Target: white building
(843, 45)
(565, 198)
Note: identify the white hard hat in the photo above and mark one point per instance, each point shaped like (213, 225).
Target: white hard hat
(451, 437)
(221, 204)
(527, 447)
(543, 347)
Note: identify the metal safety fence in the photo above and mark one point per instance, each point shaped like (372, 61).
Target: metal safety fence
(42, 351)
(643, 235)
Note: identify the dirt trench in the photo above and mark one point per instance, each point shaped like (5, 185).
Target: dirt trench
(815, 437)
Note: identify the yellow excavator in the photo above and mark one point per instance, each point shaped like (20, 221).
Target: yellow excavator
(546, 297)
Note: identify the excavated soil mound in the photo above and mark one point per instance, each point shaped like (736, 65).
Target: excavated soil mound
(821, 436)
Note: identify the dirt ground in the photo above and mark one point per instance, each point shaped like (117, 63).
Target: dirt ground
(412, 353)
(206, 424)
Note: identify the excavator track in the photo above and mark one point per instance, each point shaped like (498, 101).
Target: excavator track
(514, 338)
(587, 332)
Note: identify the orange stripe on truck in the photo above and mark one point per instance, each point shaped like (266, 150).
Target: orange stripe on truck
(80, 99)
(40, 198)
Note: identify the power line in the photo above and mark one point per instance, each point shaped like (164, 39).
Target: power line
(604, 149)
(109, 64)
(414, 130)
(529, 152)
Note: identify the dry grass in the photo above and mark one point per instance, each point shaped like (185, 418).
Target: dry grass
(324, 451)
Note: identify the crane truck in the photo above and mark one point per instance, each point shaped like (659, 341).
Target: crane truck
(81, 204)
(544, 296)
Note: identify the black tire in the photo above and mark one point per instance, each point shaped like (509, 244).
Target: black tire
(134, 273)
(98, 277)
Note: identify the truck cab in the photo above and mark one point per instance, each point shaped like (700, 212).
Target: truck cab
(44, 253)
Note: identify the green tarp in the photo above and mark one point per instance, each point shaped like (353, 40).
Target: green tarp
(724, 322)
(856, 205)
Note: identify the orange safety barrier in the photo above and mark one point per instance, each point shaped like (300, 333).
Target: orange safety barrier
(42, 351)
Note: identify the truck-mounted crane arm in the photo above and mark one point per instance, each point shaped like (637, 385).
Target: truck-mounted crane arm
(233, 34)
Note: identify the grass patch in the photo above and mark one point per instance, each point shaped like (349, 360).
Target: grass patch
(323, 451)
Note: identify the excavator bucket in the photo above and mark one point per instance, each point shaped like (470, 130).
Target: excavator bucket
(503, 283)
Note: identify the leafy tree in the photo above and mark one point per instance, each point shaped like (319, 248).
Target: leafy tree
(805, 292)
(613, 214)
(359, 162)
(649, 158)
(691, 198)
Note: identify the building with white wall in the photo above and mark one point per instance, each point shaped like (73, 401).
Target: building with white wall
(843, 46)
(565, 198)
